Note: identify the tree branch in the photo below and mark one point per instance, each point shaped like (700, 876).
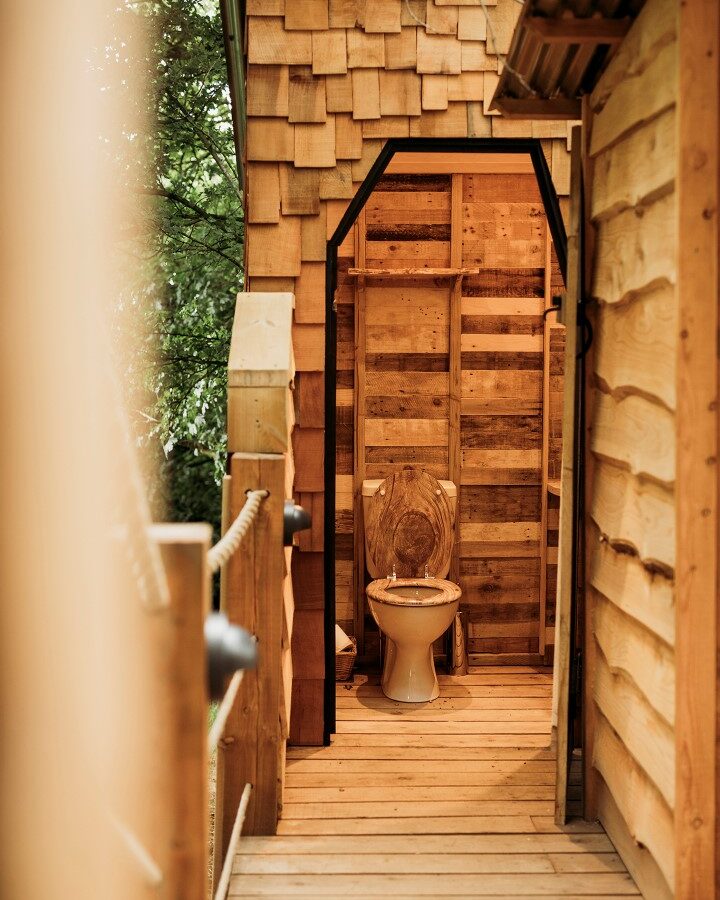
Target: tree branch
(210, 147)
(182, 201)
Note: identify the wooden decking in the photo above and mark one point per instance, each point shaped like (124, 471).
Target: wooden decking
(450, 799)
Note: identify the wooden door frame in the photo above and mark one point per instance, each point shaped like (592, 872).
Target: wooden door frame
(697, 444)
(529, 146)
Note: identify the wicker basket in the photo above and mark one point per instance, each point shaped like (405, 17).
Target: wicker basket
(344, 662)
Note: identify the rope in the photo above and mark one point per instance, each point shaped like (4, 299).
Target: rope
(224, 881)
(231, 540)
(147, 865)
(223, 712)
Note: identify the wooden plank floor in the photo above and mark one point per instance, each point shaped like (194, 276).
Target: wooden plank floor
(446, 799)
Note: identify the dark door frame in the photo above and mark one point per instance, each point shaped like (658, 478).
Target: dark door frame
(529, 146)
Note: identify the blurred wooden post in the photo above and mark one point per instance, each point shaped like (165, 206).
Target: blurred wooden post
(255, 586)
(182, 849)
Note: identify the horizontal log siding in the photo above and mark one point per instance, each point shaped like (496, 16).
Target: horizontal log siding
(632, 507)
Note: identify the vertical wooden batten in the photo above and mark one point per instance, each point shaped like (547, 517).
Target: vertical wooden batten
(455, 360)
(590, 651)
(359, 443)
(544, 458)
(698, 130)
(566, 581)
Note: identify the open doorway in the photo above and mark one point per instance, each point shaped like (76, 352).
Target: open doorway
(443, 354)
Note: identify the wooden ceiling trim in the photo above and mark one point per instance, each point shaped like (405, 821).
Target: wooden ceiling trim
(556, 57)
(462, 163)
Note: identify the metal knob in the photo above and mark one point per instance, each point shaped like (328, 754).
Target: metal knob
(229, 648)
(295, 518)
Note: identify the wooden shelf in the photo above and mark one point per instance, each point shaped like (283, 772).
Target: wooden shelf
(553, 487)
(415, 273)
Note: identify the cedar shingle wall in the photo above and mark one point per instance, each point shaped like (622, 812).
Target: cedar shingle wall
(328, 82)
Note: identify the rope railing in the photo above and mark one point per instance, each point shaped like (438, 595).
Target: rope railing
(224, 881)
(224, 710)
(233, 537)
(151, 871)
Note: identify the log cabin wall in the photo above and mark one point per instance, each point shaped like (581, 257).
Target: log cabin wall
(394, 405)
(327, 82)
(631, 509)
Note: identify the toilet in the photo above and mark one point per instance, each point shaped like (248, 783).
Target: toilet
(409, 527)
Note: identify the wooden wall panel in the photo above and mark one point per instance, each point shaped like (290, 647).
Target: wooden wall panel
(328, 82)
(501, 422)
(404, 403)
(631, 507)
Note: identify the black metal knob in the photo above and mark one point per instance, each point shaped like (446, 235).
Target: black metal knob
(229, 648)
(295, 519)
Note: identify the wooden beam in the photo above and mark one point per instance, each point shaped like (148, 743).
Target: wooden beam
(696, 488)
(537, 107)
(416, 163)
(451, 272)
(579, 31)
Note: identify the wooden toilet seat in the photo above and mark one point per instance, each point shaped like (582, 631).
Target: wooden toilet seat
(381, 590)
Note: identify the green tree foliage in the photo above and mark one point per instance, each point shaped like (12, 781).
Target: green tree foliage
(188, 247)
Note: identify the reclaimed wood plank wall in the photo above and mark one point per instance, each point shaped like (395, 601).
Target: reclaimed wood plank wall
(631, 511)
(327, 82)
(394, 396)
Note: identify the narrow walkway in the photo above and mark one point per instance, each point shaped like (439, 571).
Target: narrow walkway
(449, 799)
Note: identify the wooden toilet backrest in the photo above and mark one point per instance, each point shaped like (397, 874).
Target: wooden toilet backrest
(409, 525)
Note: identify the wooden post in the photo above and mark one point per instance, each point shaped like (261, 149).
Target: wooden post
(251, 745)
(566, 585)
(183, 850)
(254, 589)
(696, 487)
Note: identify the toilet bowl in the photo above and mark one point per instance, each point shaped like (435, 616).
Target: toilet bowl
(409, 526)
(412, 613)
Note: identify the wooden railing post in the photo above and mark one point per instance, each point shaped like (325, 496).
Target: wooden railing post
(182, 841)
(255, 586)
(255, 598)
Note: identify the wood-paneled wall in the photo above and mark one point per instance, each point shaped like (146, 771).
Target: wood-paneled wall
(328, 81)
(394, 398)
(631, 514)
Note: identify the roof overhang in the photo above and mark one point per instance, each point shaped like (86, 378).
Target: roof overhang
(558, 51)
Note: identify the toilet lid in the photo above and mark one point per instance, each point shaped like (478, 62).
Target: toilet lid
(409, 525)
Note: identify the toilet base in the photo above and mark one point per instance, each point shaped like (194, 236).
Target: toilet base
(409, 674)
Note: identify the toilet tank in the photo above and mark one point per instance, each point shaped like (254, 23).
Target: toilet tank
(369, 488)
